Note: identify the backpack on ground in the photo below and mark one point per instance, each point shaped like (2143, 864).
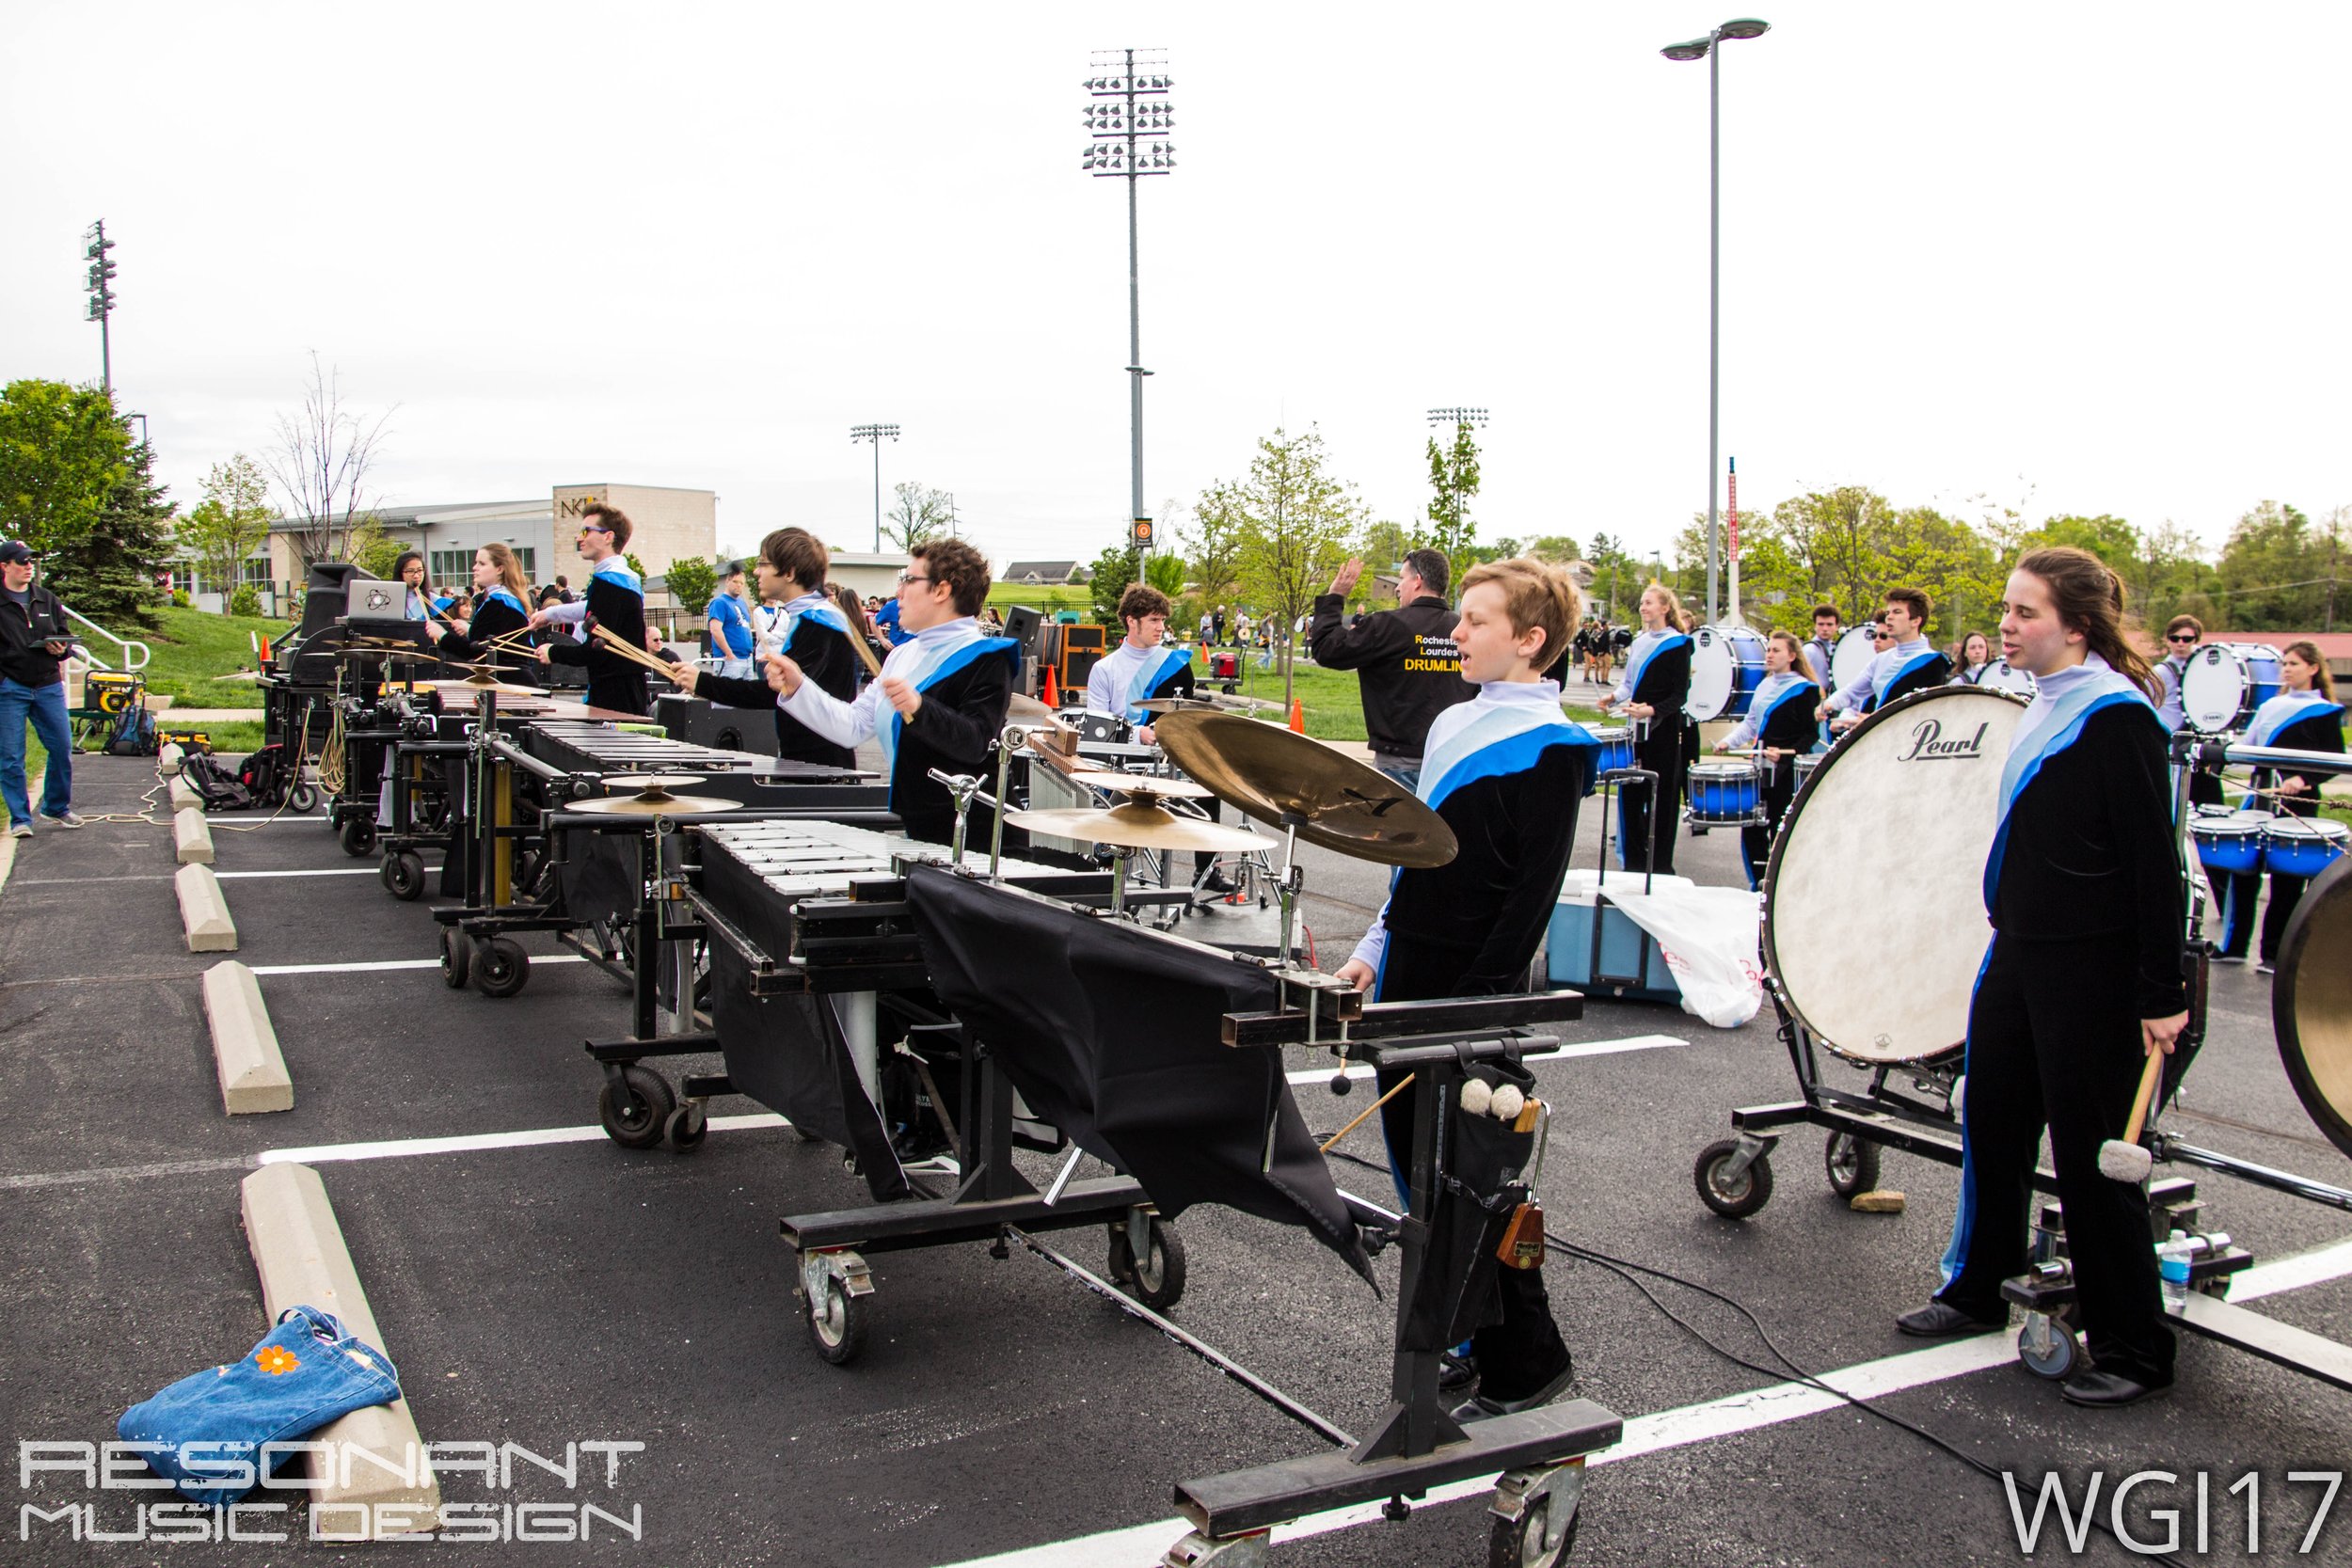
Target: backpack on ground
(132, 734)
(218, 788)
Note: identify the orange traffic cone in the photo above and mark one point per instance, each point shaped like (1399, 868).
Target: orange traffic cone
(1299, 716)
(1050, 698)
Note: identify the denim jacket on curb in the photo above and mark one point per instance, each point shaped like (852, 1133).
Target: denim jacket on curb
(208, 1426)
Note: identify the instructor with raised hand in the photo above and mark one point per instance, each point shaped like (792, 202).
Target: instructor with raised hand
(2083, 983)
(1405, 658)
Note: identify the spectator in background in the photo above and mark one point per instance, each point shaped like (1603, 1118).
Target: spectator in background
(34, 639)
(1405, 658)
(729, 623)
(563, 589)
(886, 624)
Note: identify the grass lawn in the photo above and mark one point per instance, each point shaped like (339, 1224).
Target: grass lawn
(192, 649)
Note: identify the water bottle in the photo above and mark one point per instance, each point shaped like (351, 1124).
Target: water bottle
(2173, 1271)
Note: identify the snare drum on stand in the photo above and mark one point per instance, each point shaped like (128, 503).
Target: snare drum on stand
(1724, 794)
(1616, 747)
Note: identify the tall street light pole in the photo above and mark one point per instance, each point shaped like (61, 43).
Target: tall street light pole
(102, 300)
(874, 433)
(1707, 49)
(1131, 105)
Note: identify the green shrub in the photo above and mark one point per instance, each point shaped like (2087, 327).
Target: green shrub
(179, 599)
(247, 601)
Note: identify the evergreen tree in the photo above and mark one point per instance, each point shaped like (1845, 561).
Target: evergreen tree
(110, 572)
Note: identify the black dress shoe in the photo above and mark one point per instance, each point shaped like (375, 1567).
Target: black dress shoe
(2108, 1389)
(1456, 1374)
(1484, 1406)
(1939, 1320)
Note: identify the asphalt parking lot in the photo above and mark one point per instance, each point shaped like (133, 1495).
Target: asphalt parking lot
(540, 1286)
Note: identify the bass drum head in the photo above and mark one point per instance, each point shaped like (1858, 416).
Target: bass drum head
(1850, 657)
(2310, 1003)
(1714, 674)
(2001, 675)
(2214, 689)
(1874, 926)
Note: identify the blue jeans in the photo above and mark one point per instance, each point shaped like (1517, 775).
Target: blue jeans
(1396, 767)
(45, 706)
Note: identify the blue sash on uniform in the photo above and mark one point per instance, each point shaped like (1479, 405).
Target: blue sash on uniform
(1148, 678)
(501, 596)
(2060, 730)
(924, 666)
(1879, 689)
(1798, 688)
(2285, 711)
(612, 569)
(1637, 660)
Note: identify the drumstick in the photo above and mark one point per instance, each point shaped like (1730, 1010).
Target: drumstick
(866, 654)
(1362, 1114)
(622, 645)
(2124, 1159)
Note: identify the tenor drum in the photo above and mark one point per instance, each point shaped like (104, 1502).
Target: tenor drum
(2230, 842)
(1617, 746)
(2224, 684)
(1805, 765)
(1727, 667)
(1850, 660)
(1909, 800)
(1725, 792)
(2302, 846)
(2001, 675)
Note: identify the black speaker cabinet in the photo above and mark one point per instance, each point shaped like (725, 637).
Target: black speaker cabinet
(695, 720)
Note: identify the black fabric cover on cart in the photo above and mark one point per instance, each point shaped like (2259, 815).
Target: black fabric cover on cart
(1114, 1036)
(598, 872)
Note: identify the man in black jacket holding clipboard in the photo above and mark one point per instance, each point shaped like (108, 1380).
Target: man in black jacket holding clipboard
(34, 639)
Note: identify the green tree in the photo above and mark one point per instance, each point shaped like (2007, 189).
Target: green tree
(1617, 578)
(694, 582)
(224, 527)
(1452, 480)
(1166, 572)
(369, 547)
(2276, 570)
(1297, 521)
(919, 514)
(1558, 548)
(1212, 545)
(62, 450)
(111, 572)
(1119, 568)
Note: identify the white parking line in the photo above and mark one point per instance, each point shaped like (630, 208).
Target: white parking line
(1679, 1428)
(330, 871)
(387, 964)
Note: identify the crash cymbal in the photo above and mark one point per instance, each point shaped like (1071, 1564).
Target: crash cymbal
(1179, 704)
(1285, 780)
(1137, 826)
(655, 805)
(651, 783)
(1140, 783)
(1029, 710)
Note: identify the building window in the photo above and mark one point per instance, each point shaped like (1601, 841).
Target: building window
(452, 568)
(527, 559)
(255, 570)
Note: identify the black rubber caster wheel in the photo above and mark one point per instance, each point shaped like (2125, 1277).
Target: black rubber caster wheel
(303, 799)
(457, 957)
(686, 1128)
(500, 967)
(636, 1111)
(357, 835)
(1734, 1197)
(1528, 1540)
(837, 1322)
(1157, 1281)
(1853, 1164)
(403, 876)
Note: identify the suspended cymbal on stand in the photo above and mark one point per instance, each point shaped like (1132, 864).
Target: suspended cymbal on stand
(1140, 784)
(1287, 780)
(1182, 705)
(653, 796)
(1137, 825)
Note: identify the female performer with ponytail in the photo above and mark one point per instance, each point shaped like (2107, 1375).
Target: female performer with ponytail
(2084, 980)
(1780, 726)
(1656, 683)
(500, 610)
(2303, 717)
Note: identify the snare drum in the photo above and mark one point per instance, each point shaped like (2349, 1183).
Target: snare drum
(2230, 843)
(1806, 764)
(2302, 846)
(1616, 747)
(1727, 667)
(1725, 792)
(2224, 684)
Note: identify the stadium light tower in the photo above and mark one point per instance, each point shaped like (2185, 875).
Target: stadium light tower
(1130, 119)
(102, 299)
(1709, 49)
(876, 433)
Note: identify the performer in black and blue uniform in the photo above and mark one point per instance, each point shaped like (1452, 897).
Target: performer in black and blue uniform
(941, 699)
(499, 611)
(2084, 980)
(615, 600)
(2303, 717)
(809, 630)
(1506, 770)
(1780, 725)
(1910, 664)
(1143, 666)
(1656, 686)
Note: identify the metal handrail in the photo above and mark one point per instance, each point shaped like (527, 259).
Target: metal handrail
(134, 655)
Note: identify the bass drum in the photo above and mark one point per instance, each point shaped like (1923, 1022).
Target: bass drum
(2310, 1003)
(1727, 667)
(1907, 802)
(2000, 675)
(1850, 660)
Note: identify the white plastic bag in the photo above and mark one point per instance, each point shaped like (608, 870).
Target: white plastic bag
(1707, 936)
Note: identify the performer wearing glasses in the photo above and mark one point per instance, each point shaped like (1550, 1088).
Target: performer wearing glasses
(941, 699)
(1506, 770)
(2084, 980)
(809, 630)
(2181, 637)
(615, 600)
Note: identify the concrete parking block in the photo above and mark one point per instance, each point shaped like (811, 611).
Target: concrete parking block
(299, 1250)
(183, 795)
(203, 913)
(253, 1075)
(194, 836)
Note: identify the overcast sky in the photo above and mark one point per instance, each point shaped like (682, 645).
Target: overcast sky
(2071, 257)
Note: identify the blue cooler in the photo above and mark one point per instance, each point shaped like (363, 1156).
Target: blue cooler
(1594, 947)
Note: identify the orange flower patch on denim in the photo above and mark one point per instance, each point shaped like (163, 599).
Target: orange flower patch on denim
(276, 1361)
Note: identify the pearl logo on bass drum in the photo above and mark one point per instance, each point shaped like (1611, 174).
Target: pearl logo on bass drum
(1928, 743)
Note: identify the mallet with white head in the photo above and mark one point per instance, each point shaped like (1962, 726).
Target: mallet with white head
(2124, 1159)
